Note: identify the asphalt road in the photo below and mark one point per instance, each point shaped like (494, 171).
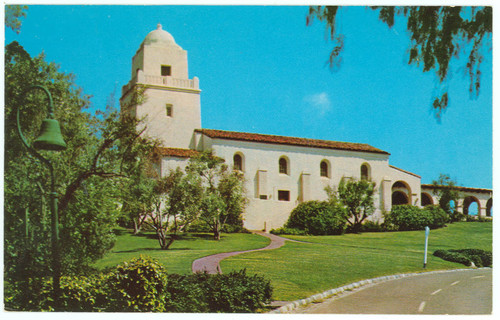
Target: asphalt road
(457, 292)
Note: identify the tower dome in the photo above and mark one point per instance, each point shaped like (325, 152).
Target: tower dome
(159, 37)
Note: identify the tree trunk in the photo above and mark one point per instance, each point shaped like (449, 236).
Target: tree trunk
(136, 227)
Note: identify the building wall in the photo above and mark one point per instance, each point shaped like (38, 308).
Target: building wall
(304, 182)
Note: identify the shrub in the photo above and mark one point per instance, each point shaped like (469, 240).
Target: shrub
(142, 285)
(318, 218)
(186, 293)
(408, 217)
(439, 216)
(480, 258)
(138, 285)
(371, 226)
(457, 216)
(235, 292)
(82, 293)
(290, 231)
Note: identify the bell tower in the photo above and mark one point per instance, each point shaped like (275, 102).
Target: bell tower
(171, 106)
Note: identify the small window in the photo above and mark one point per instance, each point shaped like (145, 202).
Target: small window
(365, 172)
(238, 162)
(169, 110)
(323, 168)
(283, 195)
(166, 71)
(263, 197)
(283, 166)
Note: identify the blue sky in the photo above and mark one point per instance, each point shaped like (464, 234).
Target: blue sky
(262, 70)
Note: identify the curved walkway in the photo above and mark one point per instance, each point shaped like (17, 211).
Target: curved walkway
(210, 264)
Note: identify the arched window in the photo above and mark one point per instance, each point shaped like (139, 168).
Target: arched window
(365, 172)
(283, 165)
(323, 169)
(237, 162)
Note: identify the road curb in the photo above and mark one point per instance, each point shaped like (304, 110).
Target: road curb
(333, 292)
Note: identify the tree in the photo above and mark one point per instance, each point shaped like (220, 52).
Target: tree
(437, 34)
(176, 201)
(137, 192)
(357, 199)
(223, 198)
(13, 15)
(446, 190)
(101, 147)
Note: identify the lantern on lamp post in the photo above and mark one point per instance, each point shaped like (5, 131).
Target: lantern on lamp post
(50, 139)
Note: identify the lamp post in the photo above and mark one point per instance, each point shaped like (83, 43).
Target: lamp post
(50, 138)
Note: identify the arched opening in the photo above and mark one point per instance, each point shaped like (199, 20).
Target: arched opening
(471, 206)
(453, 205)
(238, 162)
(283, 166)
(489, 207)
(399, 197)
(324, 169)
(401, 193)
(426, 199)
(365, 172)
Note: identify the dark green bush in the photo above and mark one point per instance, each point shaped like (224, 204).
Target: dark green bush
(457, 217)
(186, 293)
(318, 218)
(235, 292)
(138, 285)
(480, 258)
(290, 231)
(439, 216)
(408, 217)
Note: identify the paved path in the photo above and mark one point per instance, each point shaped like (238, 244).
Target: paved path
(454, 292)
(210, 264)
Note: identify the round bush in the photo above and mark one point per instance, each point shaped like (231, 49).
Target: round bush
(318, 218)
(408, 217)
(138, 285)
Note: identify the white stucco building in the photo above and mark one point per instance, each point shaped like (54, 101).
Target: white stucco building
(280, 172)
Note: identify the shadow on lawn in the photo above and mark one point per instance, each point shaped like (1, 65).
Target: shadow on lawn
(151, 249)
(179, 237)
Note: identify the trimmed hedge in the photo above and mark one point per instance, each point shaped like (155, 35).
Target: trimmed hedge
(318, 218)
(480, 258)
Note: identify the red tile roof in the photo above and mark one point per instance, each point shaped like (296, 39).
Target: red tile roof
(464, 189)
(176, 152)
(303, 142)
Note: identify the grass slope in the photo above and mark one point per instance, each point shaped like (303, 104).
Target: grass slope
(299, 270)
(182, 253)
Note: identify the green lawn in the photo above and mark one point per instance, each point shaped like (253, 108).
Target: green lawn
(182, 253)
(299, 270)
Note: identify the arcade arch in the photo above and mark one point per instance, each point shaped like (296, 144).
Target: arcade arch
(468, 201)
(401, 193)
(426, 199)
